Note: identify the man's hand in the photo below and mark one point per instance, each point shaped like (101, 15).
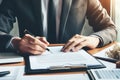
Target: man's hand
(30, 44)
(78, 41)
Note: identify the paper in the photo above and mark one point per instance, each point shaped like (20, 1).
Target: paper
(57, 58)
(7, 57)
(14, 72)
(103, 54)
(105, 74)
(55, 77)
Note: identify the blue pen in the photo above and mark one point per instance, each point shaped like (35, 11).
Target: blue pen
(3, 73)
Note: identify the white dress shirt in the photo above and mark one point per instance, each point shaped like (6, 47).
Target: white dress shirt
(58, 6)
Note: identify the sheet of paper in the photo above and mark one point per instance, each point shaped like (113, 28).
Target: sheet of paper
(9, 57)
(14, 71)
(106, 74)
(55, 77)
(57, 58)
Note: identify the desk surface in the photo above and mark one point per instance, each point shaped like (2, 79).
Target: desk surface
(93, 51)
(90, 51)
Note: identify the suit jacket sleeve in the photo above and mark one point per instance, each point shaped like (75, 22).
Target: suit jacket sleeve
(101, 22)
(6, 24)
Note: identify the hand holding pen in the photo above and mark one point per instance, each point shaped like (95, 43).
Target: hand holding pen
(30, 44)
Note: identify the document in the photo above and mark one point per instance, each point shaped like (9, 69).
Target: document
(10, 57)
(55, 60)
(55, 77)
(14, 72)
(104, 74)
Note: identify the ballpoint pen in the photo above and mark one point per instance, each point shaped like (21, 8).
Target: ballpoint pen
(3, 73)
(28, 32)
(106, 59)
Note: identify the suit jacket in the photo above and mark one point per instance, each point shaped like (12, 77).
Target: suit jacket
(73, 15)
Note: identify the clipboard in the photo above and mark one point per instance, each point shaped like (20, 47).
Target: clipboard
(60, 62)
(28, 69)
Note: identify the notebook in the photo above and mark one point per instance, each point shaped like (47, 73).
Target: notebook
(10, 57)
(104, 74)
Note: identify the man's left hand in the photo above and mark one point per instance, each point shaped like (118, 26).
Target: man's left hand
(78, 41)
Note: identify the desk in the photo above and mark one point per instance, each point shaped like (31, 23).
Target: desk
(63, 73)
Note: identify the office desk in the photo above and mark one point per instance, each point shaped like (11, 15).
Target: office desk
(93, 51)
(90, 51)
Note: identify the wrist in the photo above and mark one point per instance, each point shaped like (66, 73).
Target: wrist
(100, 44)
(15, 42)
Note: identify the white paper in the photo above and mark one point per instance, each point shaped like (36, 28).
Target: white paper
(106, 74)
(55, 77)
(57, 58)
(14, 72)
(103, 54)
(7, 57)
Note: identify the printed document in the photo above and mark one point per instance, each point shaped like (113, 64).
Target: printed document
(14, 72)
(104, 74)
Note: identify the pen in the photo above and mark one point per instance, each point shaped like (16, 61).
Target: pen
(3, 73)
(28, 32)
(107, 59)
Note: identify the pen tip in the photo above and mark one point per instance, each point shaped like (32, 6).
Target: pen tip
(47, 49)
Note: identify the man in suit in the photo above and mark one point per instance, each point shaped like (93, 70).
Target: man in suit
(60, 21)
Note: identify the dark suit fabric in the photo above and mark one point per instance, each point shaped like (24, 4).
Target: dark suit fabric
(73, 15)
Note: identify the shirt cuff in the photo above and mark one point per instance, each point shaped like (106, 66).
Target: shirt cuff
(10, 45)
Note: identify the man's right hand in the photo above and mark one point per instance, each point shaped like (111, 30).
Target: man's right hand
(30, 44)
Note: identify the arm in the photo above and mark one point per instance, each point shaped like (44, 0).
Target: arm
(7, 19)
(26, 44)
(105, 31)
(101, 22)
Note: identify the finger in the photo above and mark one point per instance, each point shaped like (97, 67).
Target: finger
(35, 41)
(43, 39)
(77, 40)
(29, 38)
(27, 49)
(68, 43)
(37, 48)
(79, 46)
(34, 51)
(25, 46)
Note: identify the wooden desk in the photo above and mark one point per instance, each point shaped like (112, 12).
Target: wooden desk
(93, 51)
(90, 51)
